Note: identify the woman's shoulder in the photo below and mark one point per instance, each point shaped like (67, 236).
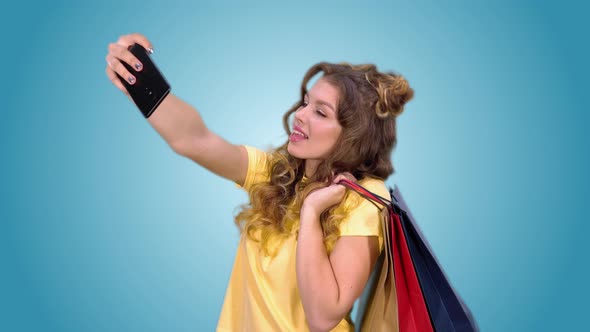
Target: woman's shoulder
(354, 202)
(258, 170)
(376, 186)
(363, 217)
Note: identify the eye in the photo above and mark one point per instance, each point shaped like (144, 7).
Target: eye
(303, 104)
(321, 113)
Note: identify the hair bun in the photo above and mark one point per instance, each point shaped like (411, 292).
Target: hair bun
(394, 92)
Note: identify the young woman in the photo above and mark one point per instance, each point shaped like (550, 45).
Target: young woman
(307, 245)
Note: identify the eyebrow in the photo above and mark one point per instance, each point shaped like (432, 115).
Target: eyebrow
(321, 102)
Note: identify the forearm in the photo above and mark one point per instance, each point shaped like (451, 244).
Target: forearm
(176, 121)
(315, 275)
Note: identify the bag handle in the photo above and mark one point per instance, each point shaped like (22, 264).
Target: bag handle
(372, 197)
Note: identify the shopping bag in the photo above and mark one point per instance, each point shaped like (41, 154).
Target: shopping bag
(412, 311)
(377, 306)
(446, 309)
(412, 315)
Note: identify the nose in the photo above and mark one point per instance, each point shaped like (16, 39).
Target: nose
(300, 115)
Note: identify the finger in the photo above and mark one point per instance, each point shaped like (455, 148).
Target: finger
(338, 192)
(349, 176)
(116, 81)
(339, 178)
(117, 67)
(344, 176)
(133, 38)
(123, 54)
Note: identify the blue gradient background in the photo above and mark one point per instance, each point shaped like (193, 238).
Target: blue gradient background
(104, 228)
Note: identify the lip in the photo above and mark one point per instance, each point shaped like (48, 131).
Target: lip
(295, 138)
(300, 130)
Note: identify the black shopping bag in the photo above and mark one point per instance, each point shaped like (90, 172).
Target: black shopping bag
(446, 309)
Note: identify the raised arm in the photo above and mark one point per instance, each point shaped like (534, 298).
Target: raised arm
(177, 122)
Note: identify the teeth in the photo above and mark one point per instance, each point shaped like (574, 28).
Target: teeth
(297, 132)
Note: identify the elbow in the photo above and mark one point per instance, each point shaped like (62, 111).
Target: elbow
(189, 147)
(184, 148)
(179, 148)
(319, 324)
(324, 317)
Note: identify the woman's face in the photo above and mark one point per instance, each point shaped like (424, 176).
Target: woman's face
(315, 127)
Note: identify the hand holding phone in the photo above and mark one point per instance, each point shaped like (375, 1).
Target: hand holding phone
(150, 86)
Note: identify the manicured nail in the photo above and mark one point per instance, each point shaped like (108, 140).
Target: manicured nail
(138, 66)
(151, 50)
(131, 79)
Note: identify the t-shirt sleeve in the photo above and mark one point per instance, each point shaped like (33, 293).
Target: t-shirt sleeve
(257, 168)
(363, 217)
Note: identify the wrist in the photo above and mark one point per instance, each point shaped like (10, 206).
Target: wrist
(309, 211)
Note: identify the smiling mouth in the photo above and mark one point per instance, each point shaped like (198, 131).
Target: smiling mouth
(299, 133)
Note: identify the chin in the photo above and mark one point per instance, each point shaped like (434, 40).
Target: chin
(291, 152)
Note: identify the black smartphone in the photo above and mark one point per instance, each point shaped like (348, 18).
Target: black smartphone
(150, 86)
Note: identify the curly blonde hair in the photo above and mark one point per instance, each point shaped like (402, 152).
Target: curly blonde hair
(368, 104)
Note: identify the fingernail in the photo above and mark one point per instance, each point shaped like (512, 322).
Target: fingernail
(131, 79)
(151, 50)
(138, 66)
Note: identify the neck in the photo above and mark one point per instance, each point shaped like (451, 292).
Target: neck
(310, 167)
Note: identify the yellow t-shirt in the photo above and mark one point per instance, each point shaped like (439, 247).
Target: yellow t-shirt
(262, 293)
